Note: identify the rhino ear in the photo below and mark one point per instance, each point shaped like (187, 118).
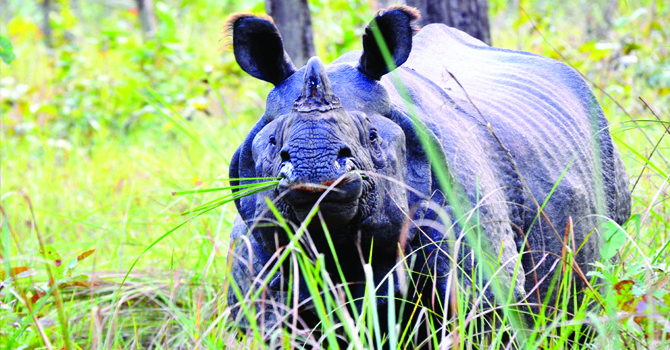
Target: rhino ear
(396, 29)
(258, 48)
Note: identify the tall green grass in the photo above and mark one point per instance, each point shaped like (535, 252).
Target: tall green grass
(100, 130)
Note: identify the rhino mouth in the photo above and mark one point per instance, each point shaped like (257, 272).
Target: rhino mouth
(337, 199)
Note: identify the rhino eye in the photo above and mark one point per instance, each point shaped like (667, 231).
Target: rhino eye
(373, 135)
(273, 140)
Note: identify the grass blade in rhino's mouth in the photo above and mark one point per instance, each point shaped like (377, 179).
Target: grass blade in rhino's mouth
(333, 185)
(314, 187)
(266, 183)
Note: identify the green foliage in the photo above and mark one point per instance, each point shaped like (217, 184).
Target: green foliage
(6, 52)
(100, 129)
(613, 239)
(649, 310)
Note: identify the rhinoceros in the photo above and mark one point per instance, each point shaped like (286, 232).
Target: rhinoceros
(421, 139)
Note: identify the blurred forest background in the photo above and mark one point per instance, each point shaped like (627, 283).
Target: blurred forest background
(102, 119)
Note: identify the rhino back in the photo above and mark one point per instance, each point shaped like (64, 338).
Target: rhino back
(541, 109)
(517, 130)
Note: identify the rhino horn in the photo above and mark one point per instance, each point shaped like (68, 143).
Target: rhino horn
(317, 93)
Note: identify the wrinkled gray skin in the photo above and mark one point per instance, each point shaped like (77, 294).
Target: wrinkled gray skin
(324, 126)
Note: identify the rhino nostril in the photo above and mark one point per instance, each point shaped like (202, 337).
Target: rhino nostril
(344, 152)
(285, 174)
(285, 156)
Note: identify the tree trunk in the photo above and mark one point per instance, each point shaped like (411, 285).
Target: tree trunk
(381, 4)
(147, 17)
(470, 16)
(75, 6)
(294, 21)
(5, 12)
(46, 25)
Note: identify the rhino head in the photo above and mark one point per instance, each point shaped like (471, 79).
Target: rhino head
(319, 149)
(331, 136)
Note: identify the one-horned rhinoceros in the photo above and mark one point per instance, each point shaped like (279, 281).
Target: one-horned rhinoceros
(464, 155)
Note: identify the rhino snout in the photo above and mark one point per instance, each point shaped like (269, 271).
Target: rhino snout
(338, 198)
